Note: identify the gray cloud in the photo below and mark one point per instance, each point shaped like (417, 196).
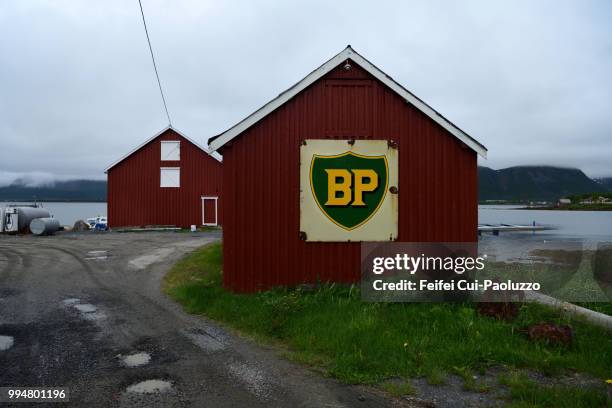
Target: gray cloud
(32, 178)
(530, 80)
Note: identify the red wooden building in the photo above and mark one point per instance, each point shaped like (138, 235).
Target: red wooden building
(168, 180)
(345, 98)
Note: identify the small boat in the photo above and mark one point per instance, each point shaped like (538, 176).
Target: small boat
(99, 223)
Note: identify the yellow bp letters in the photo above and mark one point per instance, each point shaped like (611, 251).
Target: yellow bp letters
(362, 186)
(340, 181)
(334, 187)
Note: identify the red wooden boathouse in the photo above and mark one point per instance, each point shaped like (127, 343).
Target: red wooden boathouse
(345, 98)
(167, 180)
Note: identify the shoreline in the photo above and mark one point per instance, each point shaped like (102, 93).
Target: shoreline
(578, 208)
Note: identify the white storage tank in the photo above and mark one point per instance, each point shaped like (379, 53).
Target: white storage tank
(44, 226)
(17, 219)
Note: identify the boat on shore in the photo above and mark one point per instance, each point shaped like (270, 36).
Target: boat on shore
(98, 223)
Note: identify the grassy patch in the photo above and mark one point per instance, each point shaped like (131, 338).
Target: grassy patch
(436, 376)
(470, 381)
(398, 388)
(527, 393)
(601, 307)
(332, 329)
(202, 267)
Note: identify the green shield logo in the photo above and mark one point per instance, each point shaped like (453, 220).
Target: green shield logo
(349, 188)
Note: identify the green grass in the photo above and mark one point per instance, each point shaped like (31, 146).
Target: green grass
(398, 388)
(605, 308)
(436, 376)
(332, 329)
(527, 393)
(469, 382)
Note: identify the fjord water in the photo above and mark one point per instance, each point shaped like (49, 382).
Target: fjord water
(572, 259)
(591, 225)
(571, 231)
(568, 225)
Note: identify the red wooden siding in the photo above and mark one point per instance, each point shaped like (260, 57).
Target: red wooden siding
(437, 182)
(136, 199)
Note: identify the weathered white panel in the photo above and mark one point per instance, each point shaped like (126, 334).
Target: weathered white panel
(170, 177)
(348, 190)
(170, 150)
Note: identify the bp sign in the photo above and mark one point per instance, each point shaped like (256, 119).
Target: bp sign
(349, 187)
(348, 190)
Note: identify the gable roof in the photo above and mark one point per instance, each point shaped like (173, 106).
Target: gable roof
(348, 53)
(205, 150)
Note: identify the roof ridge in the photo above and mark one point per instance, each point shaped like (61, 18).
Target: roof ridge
(221, 139)
(158, 134)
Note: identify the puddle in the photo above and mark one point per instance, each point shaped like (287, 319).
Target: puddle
(86, 308)
(254, 379)
(136, 360)
(6, 342)
(88, 311)
(8, 292)
(150, 387)
(97, 255)
(206, 340)
(94, 316)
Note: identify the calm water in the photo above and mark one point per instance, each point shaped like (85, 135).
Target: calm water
(68, 213)
(569, 225)
(592, 225)
(573, 230)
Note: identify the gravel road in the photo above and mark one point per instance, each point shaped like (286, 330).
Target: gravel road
(85, 312)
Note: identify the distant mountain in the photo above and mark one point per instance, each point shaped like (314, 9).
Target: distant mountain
(605, 182)
(534, 183)
(522, 183)
(73, 190)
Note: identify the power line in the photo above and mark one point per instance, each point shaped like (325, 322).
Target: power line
(154, 64)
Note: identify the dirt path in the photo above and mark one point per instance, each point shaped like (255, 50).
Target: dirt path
(84, 311)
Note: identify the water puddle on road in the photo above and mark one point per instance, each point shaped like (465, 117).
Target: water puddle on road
(6, 342)
(207, 341)
(85, 308)
(136, 360)
(94, 316)
(97, 255)
(150, 387)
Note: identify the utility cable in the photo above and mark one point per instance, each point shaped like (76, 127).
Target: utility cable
(161, 91)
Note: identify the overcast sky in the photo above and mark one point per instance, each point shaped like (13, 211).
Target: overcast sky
(531, 80)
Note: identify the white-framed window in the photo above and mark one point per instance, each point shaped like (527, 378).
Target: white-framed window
(171, 150)
(170, 177)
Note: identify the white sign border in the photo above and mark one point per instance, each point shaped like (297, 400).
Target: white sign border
(317, 227)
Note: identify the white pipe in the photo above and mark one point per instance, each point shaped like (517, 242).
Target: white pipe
(597, 318)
